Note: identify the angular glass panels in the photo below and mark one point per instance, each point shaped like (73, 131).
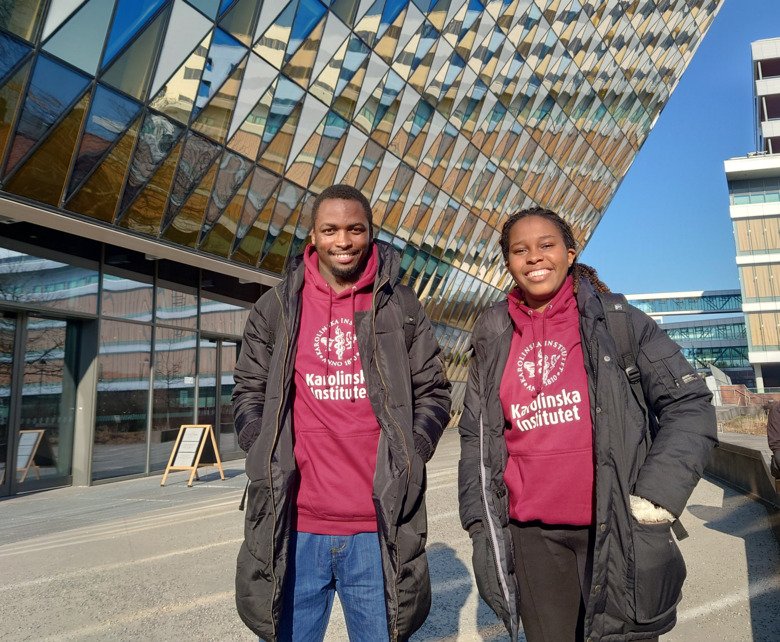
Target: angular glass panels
(212, 124)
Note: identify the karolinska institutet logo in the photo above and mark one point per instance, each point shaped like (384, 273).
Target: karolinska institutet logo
(335, 343)
(535, 363)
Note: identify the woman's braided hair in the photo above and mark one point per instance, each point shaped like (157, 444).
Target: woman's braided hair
(577, 270)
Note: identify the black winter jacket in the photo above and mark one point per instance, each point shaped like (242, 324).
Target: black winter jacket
(409, 394)
(638, 570)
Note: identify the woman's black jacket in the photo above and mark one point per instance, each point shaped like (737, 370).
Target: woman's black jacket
(637, 569)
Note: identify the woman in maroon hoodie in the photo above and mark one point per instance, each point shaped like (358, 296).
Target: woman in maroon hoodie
(568, 484)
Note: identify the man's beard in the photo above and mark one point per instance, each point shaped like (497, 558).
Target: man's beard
(350, 274)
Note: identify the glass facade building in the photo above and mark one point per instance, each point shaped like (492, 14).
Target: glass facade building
(192, 136)
(719, 341)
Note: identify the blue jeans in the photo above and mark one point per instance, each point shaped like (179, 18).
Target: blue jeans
(322, 565)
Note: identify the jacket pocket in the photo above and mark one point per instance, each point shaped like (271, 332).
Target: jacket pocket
(658, 573)
(672, 370)
(258, 524)
(486, 574)
(413, 505)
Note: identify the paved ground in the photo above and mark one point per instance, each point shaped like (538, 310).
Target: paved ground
(134, 561)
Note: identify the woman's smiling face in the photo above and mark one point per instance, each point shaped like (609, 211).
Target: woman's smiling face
(538, 260)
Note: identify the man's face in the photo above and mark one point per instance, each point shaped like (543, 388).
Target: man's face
(342, 238)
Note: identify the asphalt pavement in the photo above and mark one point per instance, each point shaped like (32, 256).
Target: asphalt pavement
(136, 561)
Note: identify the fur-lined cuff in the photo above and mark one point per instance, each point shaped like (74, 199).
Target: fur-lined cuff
(645, 512)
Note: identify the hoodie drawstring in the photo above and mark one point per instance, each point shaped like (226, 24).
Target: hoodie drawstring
(539, 351)
(354, 347)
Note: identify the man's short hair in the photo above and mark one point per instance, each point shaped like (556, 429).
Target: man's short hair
(345, 193)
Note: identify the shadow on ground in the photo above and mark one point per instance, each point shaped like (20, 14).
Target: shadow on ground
(732, 518)
(451, 585)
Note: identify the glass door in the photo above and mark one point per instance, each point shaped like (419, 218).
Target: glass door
(7, 343)
(48, 404)
(37, 401)
(217, 362)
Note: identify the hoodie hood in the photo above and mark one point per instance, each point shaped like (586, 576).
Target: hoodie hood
(311, 262)
(558, 312)
(387, 270)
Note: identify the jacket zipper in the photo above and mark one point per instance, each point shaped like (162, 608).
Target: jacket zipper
(594, 367)
(403, 441)
(271, 450)
(493, 539)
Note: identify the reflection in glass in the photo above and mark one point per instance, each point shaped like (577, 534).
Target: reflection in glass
(280, 128)
(222, 315)
(10, 93)
(309, 13)
(218, 236)
(21, 17)
(177, 96)
(217, 363)
(186, 227)
(7, 331)
(258, 207)
(52, 90)
(284, 230)
(240, 22)
(233, 172)
(126, 298)
(174, 390)
(43, 175)
(176, 306)
(146, 213)
(157, 138)
(214, 120)
(300, 66)
(132, 71)
(209, 7)
(99, 196)
(247, 138)
(196, 159)
(224, 56)
(46, 283)
(69, 42)
(129, 18)
(11, 52)
(109, 116)
(48, 398)
(122, 399)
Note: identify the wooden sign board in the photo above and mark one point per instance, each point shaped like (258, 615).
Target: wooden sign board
(29, 441)
(195, 447)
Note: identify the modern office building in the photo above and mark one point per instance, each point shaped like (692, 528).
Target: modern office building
(709, 327)
(159, 158)
(754, 207)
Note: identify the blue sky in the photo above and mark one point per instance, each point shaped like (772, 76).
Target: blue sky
(668, 227)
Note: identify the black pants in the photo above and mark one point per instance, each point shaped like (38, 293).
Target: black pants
(553, 566)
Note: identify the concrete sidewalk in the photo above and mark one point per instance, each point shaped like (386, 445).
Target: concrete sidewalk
(134, 561)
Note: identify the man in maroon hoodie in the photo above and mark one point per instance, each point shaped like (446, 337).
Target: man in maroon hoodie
(351, 370)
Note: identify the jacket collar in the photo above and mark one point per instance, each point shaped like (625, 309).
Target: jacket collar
(496, 320)
(588, 302)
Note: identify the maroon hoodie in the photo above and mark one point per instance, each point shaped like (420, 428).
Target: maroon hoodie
(549, 434)
(336, 431)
